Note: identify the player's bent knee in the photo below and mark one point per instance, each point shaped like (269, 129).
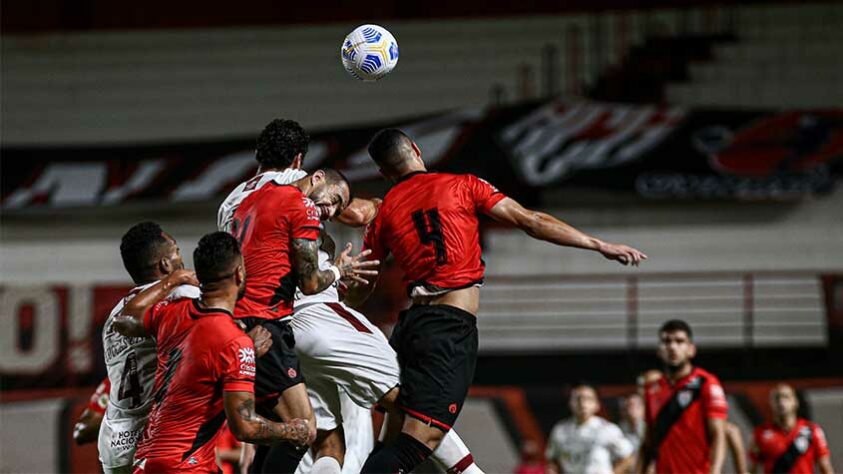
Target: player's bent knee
(330, 443)
(427, 434)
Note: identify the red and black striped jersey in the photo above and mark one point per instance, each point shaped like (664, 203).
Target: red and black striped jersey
(677, 416)
(429, 222)
(265, 224)
(204, 354)
(793, 451)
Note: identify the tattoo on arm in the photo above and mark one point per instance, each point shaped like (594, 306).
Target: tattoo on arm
(261, 430)
(306, 257)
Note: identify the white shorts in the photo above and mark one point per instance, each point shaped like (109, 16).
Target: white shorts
(117, 441)
(339, 349)
(359, 438)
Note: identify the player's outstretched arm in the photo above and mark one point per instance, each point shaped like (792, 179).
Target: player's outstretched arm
(548, 228)
(360, 212)
(130, 321)
(249, 427)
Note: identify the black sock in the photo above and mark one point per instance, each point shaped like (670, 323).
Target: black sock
(282, 458)
(402, 456)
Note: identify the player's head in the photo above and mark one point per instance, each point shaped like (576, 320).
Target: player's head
(219, 264)
(282, 144)
(394, 152)
(676, 344)
(632, 407)
(583, 401)
(149, 253)
(783, 401)
(329, 191)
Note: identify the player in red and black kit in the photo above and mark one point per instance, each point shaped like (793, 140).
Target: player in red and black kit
(685, 409)
(207, 365)
(278, 227)
(789, 444)
(429, 222)
(87, 428)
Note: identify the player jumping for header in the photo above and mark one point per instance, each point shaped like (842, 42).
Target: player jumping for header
(429, 222)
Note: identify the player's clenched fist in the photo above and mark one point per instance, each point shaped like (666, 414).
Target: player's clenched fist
(298, 432)
(262, 339)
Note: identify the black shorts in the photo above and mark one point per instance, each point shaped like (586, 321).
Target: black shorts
(278, 369)
(437, 352)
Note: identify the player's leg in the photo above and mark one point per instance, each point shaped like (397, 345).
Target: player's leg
(437, 348)
(280, 381)
(452, 455)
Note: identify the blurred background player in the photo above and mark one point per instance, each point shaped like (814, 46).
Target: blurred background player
(685, 410)
(632, 422)
(429, 222)
(149, 254)
(790, 443)
(349, 363)
(585, 442)
(207, 364)
(532, 459)
(87, 428)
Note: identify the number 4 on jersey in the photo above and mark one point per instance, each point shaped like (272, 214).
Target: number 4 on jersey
(130, 386)
(429, 227)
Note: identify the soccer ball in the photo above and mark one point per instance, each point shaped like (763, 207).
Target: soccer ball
(369, 52)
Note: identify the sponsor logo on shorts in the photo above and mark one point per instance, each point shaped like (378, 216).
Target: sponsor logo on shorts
(123, 440)
(291, 372)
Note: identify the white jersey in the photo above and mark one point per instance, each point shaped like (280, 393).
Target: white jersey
(590, 448)
(131, 364)
(229, 206)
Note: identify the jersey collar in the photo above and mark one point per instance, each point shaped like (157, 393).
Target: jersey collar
(409, 175)
(210, 310)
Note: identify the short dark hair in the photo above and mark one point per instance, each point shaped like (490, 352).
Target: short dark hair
(279, 143)
(387, 147)
(139, 248)
(675, 325)
(214, 256)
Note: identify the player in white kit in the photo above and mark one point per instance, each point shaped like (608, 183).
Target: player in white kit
(341, 353)
(149, 254)
(587, 443)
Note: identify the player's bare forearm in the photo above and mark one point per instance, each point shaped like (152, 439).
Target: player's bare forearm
(87, 428)
(717, 443)
(130, 320)
(249, 427)
(360, 212)
(734, 439)
(306, 258)
(825, 465)
(543, 226)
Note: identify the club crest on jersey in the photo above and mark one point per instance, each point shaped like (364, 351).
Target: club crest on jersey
(247, 355)
(803, 440)
(684, 398)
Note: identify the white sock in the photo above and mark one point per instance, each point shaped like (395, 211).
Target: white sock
(453, 455)
(326, 465)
